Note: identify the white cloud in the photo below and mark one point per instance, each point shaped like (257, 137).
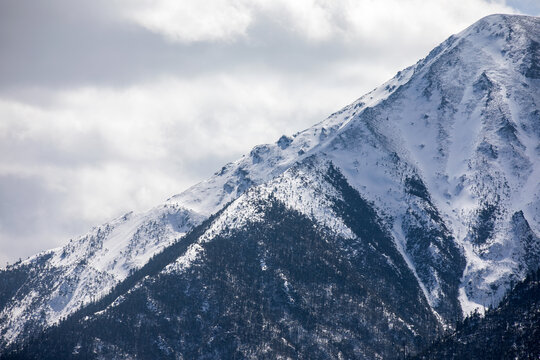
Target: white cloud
(191, 21)
(315, 20)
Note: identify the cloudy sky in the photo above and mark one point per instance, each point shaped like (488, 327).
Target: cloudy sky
(108, 106)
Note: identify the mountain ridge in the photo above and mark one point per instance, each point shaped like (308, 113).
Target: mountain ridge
(446, 155)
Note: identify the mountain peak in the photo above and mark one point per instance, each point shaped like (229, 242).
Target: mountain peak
(429, 183)
(506, 27)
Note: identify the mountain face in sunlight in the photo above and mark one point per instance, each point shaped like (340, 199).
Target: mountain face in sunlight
(365, 236)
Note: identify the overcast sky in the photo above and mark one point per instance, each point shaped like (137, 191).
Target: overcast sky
(108, 106)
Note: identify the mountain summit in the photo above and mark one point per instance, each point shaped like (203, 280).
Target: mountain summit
(364, 236)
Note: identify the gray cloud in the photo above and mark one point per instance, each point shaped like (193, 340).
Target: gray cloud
(530, 7)
(32, 217)
(62, 43)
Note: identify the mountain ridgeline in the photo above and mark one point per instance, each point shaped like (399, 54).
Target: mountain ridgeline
(372, 234)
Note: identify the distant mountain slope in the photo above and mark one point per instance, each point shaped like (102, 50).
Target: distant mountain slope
(363, 236)
(511, 331)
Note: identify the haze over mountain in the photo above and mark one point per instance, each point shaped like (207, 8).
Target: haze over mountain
(367, 235)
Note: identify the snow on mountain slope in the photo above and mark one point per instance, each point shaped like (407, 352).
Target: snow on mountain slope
(447, 152)
(305, 188)
(464, 125)
(267, 161)
(300, 188)
(60, 281)
(467, 122)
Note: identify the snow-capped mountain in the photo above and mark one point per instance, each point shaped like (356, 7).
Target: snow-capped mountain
(405, 210)
(451, 144)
